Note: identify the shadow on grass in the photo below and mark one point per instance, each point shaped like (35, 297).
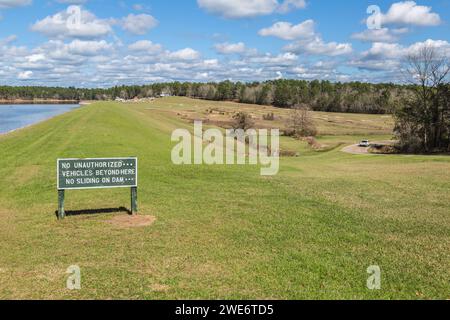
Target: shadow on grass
(96, 211)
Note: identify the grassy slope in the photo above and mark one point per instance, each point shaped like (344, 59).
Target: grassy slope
(221, 232)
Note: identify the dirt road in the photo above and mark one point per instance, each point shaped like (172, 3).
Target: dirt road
(355, 149)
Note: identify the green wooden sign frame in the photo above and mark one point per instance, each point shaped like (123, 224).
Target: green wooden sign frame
(96, 173)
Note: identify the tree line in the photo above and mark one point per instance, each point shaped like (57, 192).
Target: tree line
(51, 93)
(355, 97)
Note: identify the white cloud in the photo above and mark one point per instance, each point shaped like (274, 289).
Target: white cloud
(59, 53)
(145, 46)
(285, 59)
(26, 75)
(234, 48)
(381, 50)
(239, 9)
(230, 48)
(8, 40)
(289, 5)
(36, 57)
(375, 65)
(14, 3)
(88, 48)
(288, 31)
(60, 26)
(376, 35)
(8, 52)
(107, 65)
(409, 13)
(185, 54)
(249, 8)
(307, 40)
(389, 56)
(139, 24)
(32, 61)
(441, 46)
(317, 46)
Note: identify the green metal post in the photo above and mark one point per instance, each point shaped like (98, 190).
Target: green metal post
(61, 212)
(134, 205)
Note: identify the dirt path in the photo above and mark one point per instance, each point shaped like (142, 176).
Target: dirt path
(356, 149)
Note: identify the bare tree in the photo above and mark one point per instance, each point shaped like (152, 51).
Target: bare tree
(423, 116)
(301, 122)
(243, 120)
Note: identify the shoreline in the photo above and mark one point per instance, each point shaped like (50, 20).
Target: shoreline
(36, 123)
(38, 101)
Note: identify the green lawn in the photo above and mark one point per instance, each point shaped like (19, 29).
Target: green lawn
(221, 232)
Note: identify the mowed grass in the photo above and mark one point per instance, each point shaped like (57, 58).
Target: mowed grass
(221, 232)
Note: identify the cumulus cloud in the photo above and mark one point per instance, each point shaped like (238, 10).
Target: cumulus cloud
(441, 46)
(75, 22)
(289, 5)
(379, 35)
(284, 59)
(145, 46)
(36, 61)
(25, 75)
(9, 52)
(288, 31)
(89, 48)
(389, 56)
(318, 46)
(234, 48)
(383, 51)
(380, 50)
(230, 48)
(250, 8)
(185, 54)
(307, 41)
(138, 24)
(410, 13)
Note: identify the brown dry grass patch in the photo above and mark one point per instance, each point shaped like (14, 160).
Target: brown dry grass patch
(132, 221)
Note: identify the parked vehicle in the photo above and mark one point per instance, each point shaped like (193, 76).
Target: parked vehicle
(364, 144)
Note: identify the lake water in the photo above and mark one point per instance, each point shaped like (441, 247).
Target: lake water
(16, 116)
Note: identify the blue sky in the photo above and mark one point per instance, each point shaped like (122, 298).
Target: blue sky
(134, 42)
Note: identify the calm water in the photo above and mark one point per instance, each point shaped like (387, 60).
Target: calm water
(21, 115)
